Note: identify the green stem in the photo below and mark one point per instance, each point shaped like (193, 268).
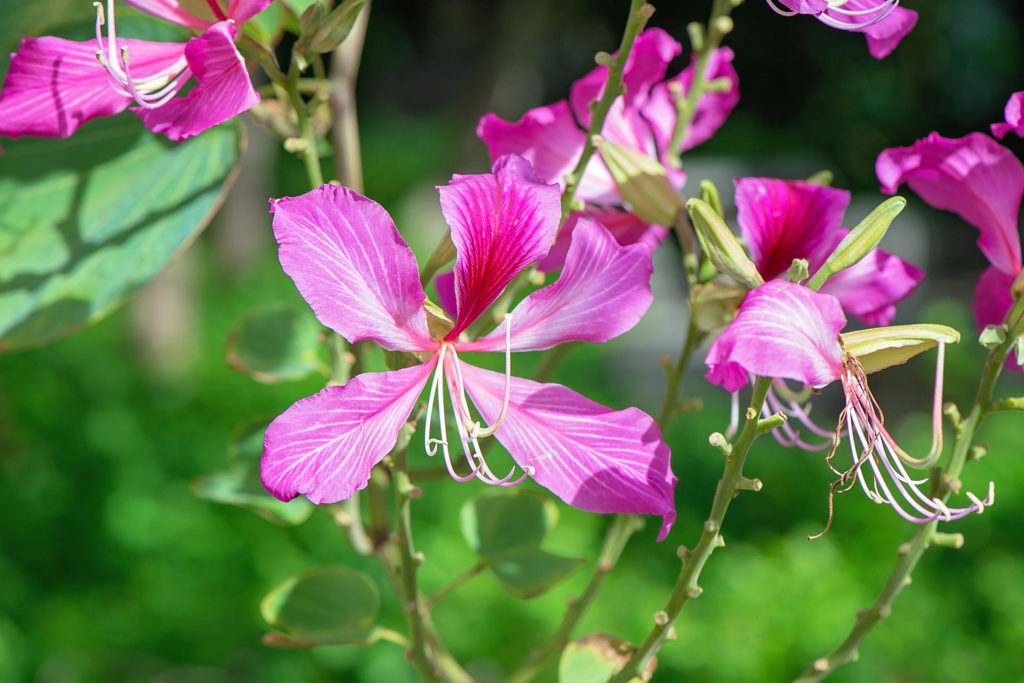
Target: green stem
(677, 374)
(686, 587)
(639, 13)
(344, 70)
(308, 154)
(622, 527)
(926, 535)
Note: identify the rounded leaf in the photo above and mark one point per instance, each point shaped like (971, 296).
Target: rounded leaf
(275, 344)
(327, 603)
(500, 523)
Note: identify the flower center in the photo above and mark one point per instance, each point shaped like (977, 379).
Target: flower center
(150, 90)
(469, 430)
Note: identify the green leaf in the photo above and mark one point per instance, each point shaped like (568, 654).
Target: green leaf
(275, 344)
(89, 219)
(531, 573)
(333, 603)
(596, 657)
(23, 19)
(241, 485)
(498, 523)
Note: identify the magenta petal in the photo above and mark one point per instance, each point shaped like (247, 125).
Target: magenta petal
(602, 292)
(781, 220)
(55, 85)
(805, 6)
(781, 330)
(500, 224)
(712, 110)
(652, 51)
(624, 226)
(592, 457)
(352, 266)
(884, 36)
(1014, 115)
(242, 10)
(992, 301)
(324, 446)
(222, 92)
(871, 288)
(547, 137)
(172, 11)
(973, 176)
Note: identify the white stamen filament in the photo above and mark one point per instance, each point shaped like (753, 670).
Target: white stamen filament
(150, 91)
(858, 19)
(475, 429)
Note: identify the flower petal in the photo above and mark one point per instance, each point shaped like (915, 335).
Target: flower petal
(603, 291)
(500, 224)
(646, 65)
(324, 446)
(55, 85)
(352, 266)
(973, 176)
(781, 330)
(624, 226)
(712, 110)
(223, 90)
(592, 457)
(781, 220)
(242, 10)
(1014, 115)
(884, 36)
(992, 301)
(870, 288)
(171, 10)
(547, 137)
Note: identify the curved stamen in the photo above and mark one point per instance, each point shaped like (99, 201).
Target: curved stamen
(437, 389)
(855, 19)
(475, 429)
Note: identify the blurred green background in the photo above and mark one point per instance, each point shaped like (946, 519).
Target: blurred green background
(111, 570)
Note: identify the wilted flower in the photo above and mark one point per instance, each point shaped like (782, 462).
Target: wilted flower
(361, 279)
(883, 22)
(785, 330)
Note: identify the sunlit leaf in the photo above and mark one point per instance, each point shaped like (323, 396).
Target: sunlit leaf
(89, 219)
(596, 657)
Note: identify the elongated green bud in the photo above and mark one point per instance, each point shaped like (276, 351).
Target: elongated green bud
(878, 348)
(709, 193)
(861, 240)
(643, 183)
(720, 244)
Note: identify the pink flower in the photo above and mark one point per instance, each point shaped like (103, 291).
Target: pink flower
(552, 137)
(55, 85)
(982, 182)
(883, 22)
(1014, 115)
(781, 220)
(352, 266)
(785, 330)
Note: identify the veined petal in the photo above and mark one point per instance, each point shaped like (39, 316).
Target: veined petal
(602, 292)
(243, 10)
(992, 301)
(500, 224)
(1014, 115)
(197, 13)
(646, 65)
(624, 226)
(870, 288)
(973, 176)
(805, 6)
(324, 446)
(547, 137)
(781, 220)
(712, 110)
(222, 92)
(55, 85)
(592, 457)
(351, 265)
(781, 330)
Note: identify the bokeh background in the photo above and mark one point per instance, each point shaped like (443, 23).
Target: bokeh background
(112, 570)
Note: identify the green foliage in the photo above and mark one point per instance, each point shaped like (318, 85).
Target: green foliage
(276, 344)
(593, 658)
(89, 219)
(328, 604)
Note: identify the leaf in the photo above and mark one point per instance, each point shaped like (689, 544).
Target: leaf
(332, 603)
(89, 219)
(532, 573)
(878, 348)
(596, 657)
(275, 344)
(497, 523)
(241, 485)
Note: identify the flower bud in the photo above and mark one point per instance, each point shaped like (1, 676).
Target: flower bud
(643, 183)
(322, 32)
(721, 246)
(709, 193)
(878, 348)
(861, 240)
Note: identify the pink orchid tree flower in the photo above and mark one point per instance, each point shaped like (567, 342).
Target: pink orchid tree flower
(883, 22)
(1013, 115)
(55, 85)
(982, 182)
(552, 137)
(785, 330)
(361, 279)
(782, 220)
